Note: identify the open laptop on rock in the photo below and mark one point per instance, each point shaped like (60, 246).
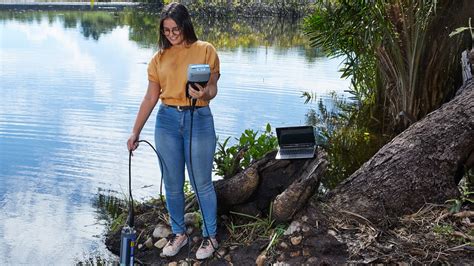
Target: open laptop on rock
(296, 142)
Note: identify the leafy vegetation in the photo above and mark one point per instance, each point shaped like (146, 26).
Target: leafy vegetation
(469, 28)
(389, 51)
(465, 198)
(250, 147)
(345, 133)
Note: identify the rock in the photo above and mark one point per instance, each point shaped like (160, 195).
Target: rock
(304, 218)
(149, 242)
(184, 263)
(173, 263)
(296, 240)
(284, 245)
(332, 232)
(295, 254)
(222, 251)
(295, 226)
(281, 257)
(161, 231)
(161, 243)
(192, 219)
(260, 261)
(312, 260)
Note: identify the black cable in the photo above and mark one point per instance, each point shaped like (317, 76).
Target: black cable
(161, 192)
(194, 181)
(131, 214)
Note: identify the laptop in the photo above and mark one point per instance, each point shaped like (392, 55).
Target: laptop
(295, 142)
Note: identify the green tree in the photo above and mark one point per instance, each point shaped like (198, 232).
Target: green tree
(398, 53)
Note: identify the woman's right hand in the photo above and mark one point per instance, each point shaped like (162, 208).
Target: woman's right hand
(132, 142)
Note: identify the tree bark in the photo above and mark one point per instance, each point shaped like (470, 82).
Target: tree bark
(420, 165)
(253, 190)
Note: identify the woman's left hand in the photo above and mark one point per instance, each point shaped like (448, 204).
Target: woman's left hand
(207, 92)
(197, 94)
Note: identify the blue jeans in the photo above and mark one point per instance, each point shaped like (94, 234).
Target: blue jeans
(172, 132)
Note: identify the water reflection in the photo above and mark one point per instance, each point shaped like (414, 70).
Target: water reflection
(71, 86)
(231, 33)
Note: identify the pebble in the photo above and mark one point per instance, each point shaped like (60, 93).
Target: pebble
(281, 257)
(332, 232)
(284, 245)
(161, 231)
(295, 254)
(295, 226)
(222, 251)
(312, 260)
(161, 243)
(191, 219)
(260, 261)
(296, 240)
(149, 242)
(184, 263)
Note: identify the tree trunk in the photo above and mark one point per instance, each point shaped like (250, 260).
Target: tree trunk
(420, 165)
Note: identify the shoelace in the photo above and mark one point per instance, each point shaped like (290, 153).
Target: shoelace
(173, 239)
(205, 243)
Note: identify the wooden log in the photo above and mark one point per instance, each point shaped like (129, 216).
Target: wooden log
(252, 191)
(297, 194)
(237, 189)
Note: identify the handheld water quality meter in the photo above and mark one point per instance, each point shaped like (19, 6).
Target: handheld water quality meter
(197, 73)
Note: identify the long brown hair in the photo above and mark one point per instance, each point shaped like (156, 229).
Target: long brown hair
(179, 13)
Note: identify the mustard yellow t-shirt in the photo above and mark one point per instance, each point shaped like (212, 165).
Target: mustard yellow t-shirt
(169, 69)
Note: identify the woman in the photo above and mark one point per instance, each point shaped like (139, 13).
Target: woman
(167, 77)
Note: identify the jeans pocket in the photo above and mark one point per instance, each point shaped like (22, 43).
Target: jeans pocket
(204, 111)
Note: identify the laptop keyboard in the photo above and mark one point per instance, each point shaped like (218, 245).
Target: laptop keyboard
(296, 151)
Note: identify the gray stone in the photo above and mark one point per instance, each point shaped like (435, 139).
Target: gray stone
(161, 231)
(149, 242)
(192, 219)
(295, 226)
(161, 243)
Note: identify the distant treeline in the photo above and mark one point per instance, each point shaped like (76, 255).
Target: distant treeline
(247, 8)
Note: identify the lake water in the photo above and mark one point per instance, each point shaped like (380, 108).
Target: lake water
(71, 84)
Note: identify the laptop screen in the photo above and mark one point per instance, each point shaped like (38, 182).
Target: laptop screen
(295, 135)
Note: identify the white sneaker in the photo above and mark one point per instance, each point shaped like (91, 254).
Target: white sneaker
(175, 243)
(207, 248)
